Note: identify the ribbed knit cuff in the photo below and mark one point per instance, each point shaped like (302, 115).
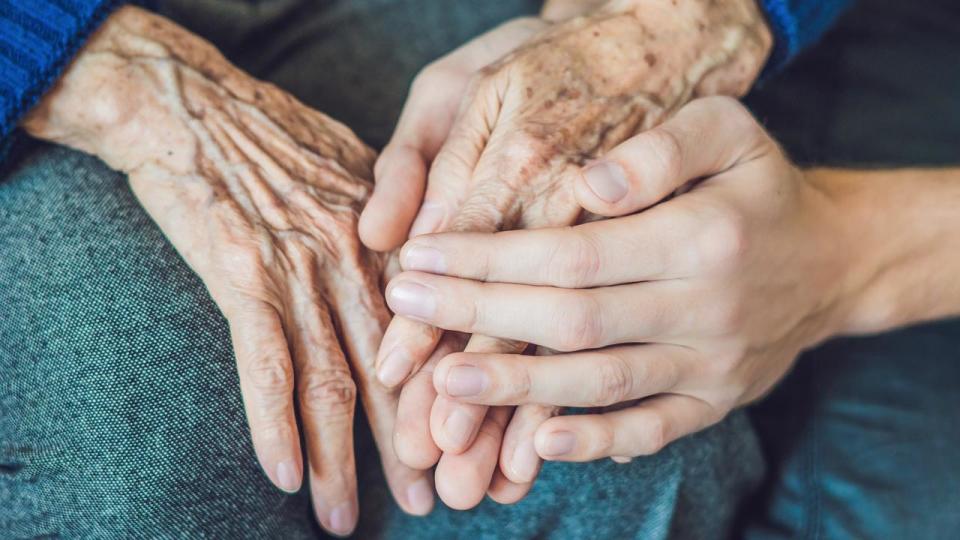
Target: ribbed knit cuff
(38, 38)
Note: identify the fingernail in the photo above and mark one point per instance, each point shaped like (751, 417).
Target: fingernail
(559, 443)
(428, 220)
(524, 462)
(425, 259)
(607, 180)
(343, 519)
(459, 427)
(621, 459)
(287, 476)
(420, 497)
(412, 299)
(394, 368)
(465, 381)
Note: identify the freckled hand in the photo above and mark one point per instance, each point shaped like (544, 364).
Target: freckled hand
(512, 157)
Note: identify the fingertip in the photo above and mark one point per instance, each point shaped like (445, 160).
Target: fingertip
(440, 372)
(394, 368)
(342, 520)
(454, 426)
(602, 187)
(589, 201)
(459, 486)
(506, 491)
(429, 219)
(419, 498)
(555, 442)
(400, 174)
(289, 476)
(379, 228)
(414, 451)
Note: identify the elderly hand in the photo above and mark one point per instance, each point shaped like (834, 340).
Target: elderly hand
(261, 196)
(508, 157)
(676, 314)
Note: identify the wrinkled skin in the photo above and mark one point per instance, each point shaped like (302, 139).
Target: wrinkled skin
(261, 196)
(693, 307)
(509, 158)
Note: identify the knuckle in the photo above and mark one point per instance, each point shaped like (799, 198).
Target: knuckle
(729, 317)
(579, 326)
(614, 381)
(726, 241)
(271, 375)
(667, 152)
(575, 261)
(738, 119)
(328, 392)
(604, 438)
(428, 79)
(522, 383)
(275, 432)
(730, 106)
(653, 435)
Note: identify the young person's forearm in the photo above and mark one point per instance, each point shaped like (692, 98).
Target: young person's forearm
(904, 231)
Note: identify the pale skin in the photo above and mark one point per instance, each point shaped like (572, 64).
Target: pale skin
(542, 98)
(261, 196)
(684, 311)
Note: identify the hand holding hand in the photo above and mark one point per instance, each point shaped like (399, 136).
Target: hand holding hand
(508, 157)
(677, 314)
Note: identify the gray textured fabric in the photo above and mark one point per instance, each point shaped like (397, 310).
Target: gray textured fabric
(120, 413)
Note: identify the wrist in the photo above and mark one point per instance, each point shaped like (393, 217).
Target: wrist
(901, 251)
(147, 91)
(727, 43)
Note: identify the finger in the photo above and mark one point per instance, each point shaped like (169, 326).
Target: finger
(582, 379)
(519, 461)
(562, 319)
(362, 316)
(641, 430)
(400, 175)
(401, 169)
(453, 169)
(412, 439)
(706, 137)
(648, 246)
(327, 394)
(265, 369)
(454, 425)
(463, 479)
(406, 346)
(504, 491)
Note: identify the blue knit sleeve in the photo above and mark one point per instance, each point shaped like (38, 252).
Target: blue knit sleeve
(797, 24)
(38, 38)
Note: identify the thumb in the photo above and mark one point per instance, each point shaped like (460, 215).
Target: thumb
(401, 169)
(704, 138)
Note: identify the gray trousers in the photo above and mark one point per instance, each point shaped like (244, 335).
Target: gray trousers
(120, 413)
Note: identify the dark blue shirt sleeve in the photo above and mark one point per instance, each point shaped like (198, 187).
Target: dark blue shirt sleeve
(38, 38)
(797, 24)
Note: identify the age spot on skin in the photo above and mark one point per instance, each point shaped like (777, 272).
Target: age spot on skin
(650, 59)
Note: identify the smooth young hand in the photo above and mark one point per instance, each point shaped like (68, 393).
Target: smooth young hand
(683, 311)
(506, 157)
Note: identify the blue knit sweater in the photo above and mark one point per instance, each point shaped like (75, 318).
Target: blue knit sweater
(39, 37)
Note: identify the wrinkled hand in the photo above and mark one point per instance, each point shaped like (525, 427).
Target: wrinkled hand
(261, 196)
(510, 159)
(693, 307)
